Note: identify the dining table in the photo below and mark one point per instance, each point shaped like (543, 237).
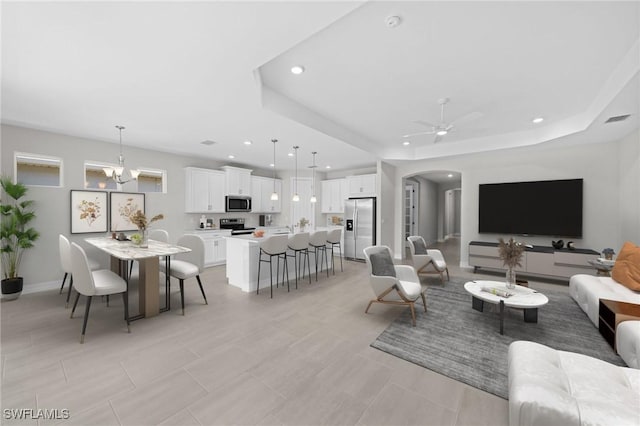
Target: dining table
(148, 258)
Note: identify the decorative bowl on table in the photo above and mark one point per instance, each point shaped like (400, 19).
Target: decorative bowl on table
(258, 234)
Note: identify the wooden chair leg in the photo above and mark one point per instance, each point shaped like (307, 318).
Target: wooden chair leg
(448, 278)
(202, 290)
(368, 306)
(424, 301)
(413, 314)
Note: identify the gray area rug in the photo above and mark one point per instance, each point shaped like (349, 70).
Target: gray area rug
(454, 340)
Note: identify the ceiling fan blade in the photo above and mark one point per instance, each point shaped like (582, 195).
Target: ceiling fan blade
(428, 132)
(468, 117)
(424, 123)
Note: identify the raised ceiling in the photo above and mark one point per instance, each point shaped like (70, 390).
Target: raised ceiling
(176, 74)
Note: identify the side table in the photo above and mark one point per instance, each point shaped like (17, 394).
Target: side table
(611, 313)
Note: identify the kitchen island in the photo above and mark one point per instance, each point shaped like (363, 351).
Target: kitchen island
(242, 264)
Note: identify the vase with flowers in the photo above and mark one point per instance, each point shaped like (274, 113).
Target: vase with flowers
(140, 220)
(511, 254)
(302, 224)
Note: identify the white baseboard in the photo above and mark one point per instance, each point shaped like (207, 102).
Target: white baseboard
(39, 287)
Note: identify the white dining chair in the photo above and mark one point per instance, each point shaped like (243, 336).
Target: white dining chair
(64, 248)
(189, 265)
(101, 282)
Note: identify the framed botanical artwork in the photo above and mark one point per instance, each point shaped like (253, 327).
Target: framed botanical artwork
(123, 205)
(88, 211)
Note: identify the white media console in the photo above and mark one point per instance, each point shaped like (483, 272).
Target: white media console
(539, 260)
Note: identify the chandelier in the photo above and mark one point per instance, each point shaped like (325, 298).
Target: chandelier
(120, 174)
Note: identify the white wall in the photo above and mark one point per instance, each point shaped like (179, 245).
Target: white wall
(385, 216)
(597, 164)
(629, 182)
(427, 210)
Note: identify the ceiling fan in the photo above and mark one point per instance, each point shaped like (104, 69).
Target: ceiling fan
(442, 127)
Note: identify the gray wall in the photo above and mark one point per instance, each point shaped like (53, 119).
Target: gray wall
(385, 216)
(41, 263)
(427, 209)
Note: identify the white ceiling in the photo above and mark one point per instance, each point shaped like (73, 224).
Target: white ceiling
(176, 74)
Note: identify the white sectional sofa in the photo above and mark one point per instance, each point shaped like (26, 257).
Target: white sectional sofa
(587, 290)
(549, 387)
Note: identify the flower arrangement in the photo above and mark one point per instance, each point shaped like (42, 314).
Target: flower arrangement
(510, 252)
(303, 222)
(140, 220)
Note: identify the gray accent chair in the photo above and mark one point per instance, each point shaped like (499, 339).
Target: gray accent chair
(427, 261)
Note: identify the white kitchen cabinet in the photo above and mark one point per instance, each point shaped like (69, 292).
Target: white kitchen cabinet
(362, 185)
(204, 190)
(261, 190)
(215, 247)
(238, 181)
(334, 192)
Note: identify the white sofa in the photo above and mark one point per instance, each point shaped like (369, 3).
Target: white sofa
(550, 387)
(587, 290)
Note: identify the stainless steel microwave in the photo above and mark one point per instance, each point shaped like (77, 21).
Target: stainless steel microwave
(237, 203)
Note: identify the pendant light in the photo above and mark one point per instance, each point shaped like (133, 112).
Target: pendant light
(296, 197)
(274, 194)
(120, 174)
(313, 179)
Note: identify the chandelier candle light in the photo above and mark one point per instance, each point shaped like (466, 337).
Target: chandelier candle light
(296, 197)
(274, 194)
(313, 178)
(120, 174)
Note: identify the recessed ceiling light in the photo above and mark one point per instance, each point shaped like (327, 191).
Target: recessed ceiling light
(538, 120)
(405, 143)
(441, 132)
(248, 142)
(232, 156)
(297, 69)
(290, 154)
(450, 175)
(327, 167)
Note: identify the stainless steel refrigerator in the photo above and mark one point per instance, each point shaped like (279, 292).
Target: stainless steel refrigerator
(359, 227)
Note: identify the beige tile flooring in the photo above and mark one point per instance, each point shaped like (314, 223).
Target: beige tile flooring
(301, 358)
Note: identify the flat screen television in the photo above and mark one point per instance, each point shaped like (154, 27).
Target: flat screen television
(550, 207)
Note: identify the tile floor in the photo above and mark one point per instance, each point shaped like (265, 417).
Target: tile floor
(301, 358)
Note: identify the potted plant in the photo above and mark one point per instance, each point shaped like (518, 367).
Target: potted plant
(15, 235)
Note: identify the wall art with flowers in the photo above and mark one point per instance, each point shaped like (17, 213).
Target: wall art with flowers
(123, 206)
(89, 211)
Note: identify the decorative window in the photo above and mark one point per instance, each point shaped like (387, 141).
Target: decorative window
(94, 177)
(38, 170)
(152, 180)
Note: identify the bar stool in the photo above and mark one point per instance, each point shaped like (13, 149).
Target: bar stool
(276, 245)
(299, 243)
(318, 240)
(333, 238)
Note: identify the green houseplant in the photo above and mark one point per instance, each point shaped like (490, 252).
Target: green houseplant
(15, 234)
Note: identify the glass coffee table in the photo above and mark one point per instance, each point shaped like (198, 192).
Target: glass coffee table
(497, 293)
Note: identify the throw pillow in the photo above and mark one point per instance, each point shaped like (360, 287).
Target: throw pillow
(626, 270)
(382, 264)
(419, 246)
